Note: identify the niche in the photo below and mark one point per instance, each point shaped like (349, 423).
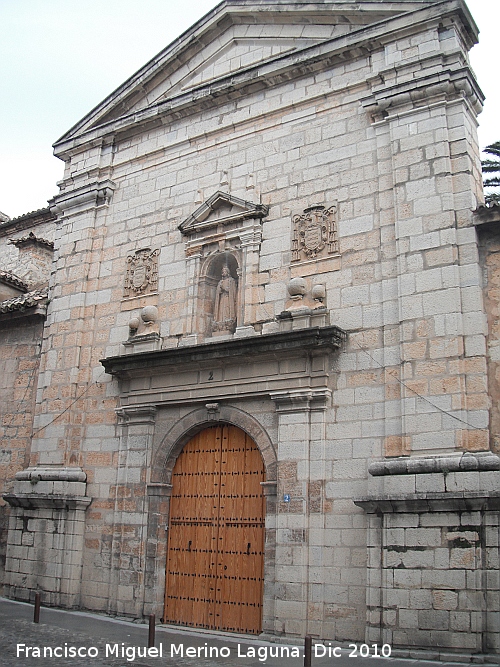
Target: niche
(219, 294)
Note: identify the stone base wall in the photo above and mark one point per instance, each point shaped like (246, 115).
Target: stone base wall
(433, 579)
(45, 547)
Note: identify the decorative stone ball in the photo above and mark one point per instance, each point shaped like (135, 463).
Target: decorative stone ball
(149, 314)
(318, 292)
(297, 287)
(134, 323)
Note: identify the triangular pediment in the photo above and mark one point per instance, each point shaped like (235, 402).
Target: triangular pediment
(239, 38)
(238, 51)
(220, 210)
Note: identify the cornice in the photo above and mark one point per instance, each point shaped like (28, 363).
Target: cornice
(388, 101)
(260, 76)
(200, 219)
(47, 501)
(300, 400)
(445, 463)
(320, 339)
(430, 502)
(89, 196)
(46, 474)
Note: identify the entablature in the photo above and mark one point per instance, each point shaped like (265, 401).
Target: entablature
(122, 112)
(231, 368)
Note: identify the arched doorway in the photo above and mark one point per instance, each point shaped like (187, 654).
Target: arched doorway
(215, 558)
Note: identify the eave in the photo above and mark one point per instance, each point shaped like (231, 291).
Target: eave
(29, 304)
(26, 221)
(485, 215)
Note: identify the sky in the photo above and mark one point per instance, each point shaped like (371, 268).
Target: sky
(60, 58)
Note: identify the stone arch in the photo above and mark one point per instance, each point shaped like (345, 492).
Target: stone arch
(159, 498)
(200, 418)
(213, 263)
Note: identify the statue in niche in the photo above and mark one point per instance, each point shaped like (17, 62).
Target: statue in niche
(225, 304)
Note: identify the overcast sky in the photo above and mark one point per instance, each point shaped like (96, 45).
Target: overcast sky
(59, 58)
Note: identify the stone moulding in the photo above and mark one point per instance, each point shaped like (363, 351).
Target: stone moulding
(160, 490)
(47, 501)
(281, 68)
(269, 488)
(466, 501)
(146, 338)
(40, 474)
(386, 100)
(68, 480)
(91, 195)
(137, 414)
(465, 462)
(195, 421)
(325, 338)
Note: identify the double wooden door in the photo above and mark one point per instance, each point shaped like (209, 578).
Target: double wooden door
(216, 533)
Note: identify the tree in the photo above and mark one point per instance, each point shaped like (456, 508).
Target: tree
(491, 168)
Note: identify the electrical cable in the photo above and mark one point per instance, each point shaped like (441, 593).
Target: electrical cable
(401, 382)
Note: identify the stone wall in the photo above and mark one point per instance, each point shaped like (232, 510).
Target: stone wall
(377, 142)
(41, 224)
(46, 527)
(20, 342)
(490, 261)
(433, 558)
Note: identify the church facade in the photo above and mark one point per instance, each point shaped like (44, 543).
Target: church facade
(259, 393)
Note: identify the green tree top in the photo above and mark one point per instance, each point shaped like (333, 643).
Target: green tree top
(491, 172)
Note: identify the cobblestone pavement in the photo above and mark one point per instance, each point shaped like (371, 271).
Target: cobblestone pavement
(104, 642)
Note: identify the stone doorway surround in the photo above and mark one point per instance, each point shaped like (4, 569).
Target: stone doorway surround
(169, 395)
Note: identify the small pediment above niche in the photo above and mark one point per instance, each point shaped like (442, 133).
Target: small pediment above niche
(223, 221)
(221, 210)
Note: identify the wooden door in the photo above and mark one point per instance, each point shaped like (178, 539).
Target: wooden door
(216, 533)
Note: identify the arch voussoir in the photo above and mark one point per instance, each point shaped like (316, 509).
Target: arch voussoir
(197, 420)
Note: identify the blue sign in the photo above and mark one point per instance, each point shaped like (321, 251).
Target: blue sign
(286, 498)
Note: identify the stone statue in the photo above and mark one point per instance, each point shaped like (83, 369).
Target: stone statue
(225, 303)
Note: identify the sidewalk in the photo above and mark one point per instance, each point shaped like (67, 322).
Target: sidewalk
(102, 641)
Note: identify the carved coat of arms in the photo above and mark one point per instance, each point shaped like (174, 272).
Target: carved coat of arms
(314, 233)
(142, 272)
